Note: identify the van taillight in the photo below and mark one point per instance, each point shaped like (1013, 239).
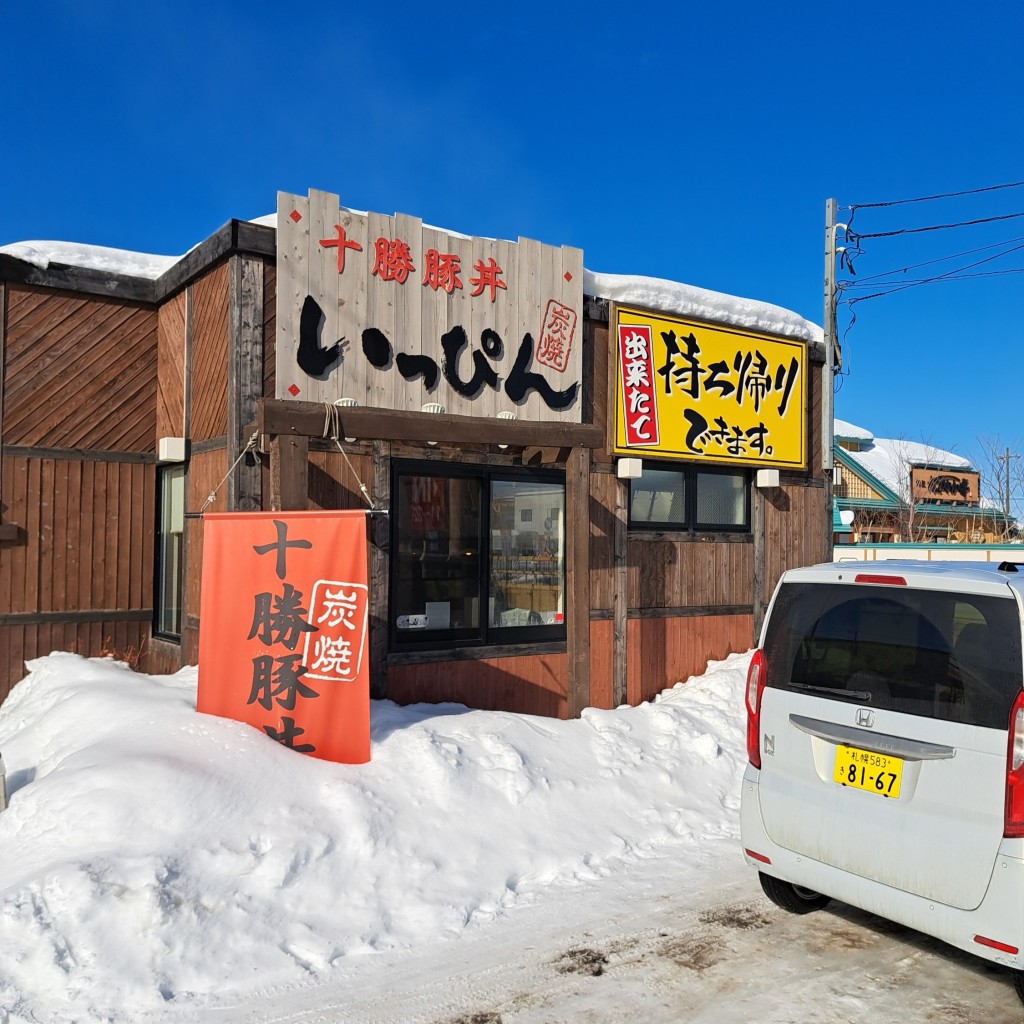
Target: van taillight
(1013, 819)
(889, 581)
(757, 674)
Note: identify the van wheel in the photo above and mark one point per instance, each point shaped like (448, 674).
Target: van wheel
(1018, 983)
(797, 900)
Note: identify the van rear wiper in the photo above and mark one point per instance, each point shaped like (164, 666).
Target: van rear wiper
(833, 691)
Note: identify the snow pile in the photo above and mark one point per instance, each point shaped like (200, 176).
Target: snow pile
(154, 857)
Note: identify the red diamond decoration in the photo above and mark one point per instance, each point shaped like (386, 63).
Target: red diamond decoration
(567, 276)
(295, 216)
(293, 389)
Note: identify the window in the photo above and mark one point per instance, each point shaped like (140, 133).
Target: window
(170, 532)
(477, 556)
(676, 497)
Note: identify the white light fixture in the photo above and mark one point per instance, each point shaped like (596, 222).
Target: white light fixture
(767, 478)
(435, 409)
(629, 469)
(837, 475)
(505, 415)
(170, 449)
(347, 403)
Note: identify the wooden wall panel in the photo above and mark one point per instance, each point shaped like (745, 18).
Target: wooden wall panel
(209, 412)
(85, 549)
(602, 540)
(599, 359)
(794, 531)
(663, 652)
(531, 685)
(170, 392)
(269, 329)
(81, 372)
(205, 471)
(669, 573)
(333, 484)
(601, 682)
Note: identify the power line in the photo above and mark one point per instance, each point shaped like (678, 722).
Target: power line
(941, 259)
(857, 237)
(942, 195)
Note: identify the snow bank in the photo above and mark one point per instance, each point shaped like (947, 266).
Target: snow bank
(152, 856)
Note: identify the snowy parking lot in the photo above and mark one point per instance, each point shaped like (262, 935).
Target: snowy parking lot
(483, 868)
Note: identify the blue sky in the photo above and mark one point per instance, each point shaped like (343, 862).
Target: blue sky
(695, 142)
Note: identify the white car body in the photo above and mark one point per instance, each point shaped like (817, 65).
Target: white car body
(937, 857)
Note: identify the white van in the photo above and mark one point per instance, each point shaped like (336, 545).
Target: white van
(885, 735)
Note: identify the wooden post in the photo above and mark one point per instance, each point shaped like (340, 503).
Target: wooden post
(620, 598)
(289, 473)
(245, 377)
(757, 528)
(380, 566)
(577, 579)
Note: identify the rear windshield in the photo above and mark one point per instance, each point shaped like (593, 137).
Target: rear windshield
(923, 652)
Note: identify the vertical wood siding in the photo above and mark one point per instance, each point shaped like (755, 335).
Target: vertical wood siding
(601, 680)
(794, 531)
(87, 548)
(80, 372)
(531, 685)
(663, 652)
(209, 413)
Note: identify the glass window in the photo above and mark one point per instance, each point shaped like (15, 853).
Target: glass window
(478, 556)
(658, 498)
(527, 566)
(721, 500)
(685, 497)
(167, 613)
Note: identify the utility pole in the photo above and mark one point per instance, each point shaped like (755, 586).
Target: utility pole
(1006, 489)
(827, 371)
(829, 323)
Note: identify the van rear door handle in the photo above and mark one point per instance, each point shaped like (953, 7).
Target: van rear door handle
(880, 743)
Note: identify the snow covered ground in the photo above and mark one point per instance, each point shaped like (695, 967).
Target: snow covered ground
(157, 865)
(152, 857)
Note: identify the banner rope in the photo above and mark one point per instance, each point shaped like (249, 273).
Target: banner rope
(212, 496)
(332, 429)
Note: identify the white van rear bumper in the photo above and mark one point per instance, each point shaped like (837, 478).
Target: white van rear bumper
(999, 917)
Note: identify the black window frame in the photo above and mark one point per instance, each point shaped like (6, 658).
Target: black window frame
(486, 635)
(689, 472)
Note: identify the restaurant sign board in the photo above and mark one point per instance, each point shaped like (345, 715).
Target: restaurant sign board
(685, 389)
(389, 313)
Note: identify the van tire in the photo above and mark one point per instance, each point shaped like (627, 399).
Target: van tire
(797, 900)
(1018, 983)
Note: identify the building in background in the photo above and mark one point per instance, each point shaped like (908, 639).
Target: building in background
(895, 491)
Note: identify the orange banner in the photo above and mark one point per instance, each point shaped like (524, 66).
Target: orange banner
(284, 640)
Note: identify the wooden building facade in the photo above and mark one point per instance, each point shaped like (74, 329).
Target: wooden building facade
(599, 604)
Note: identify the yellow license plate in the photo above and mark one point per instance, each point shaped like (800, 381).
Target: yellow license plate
(864, 769)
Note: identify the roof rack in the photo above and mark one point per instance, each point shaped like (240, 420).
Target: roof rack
(1010, 566)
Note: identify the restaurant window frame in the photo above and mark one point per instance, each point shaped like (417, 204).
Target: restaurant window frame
(486, 565)
(169, 551)
(684, 515)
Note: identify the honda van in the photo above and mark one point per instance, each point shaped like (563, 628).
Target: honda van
(885, 739)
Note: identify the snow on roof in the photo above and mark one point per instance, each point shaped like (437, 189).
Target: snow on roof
(648, 292)
(844, 431)
(889, 460)
(90, 257)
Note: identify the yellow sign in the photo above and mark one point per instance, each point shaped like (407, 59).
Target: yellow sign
(685, 389)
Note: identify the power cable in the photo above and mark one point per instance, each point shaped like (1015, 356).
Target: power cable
(941, 195)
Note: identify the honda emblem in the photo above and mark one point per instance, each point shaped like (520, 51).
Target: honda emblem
(865, 717)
